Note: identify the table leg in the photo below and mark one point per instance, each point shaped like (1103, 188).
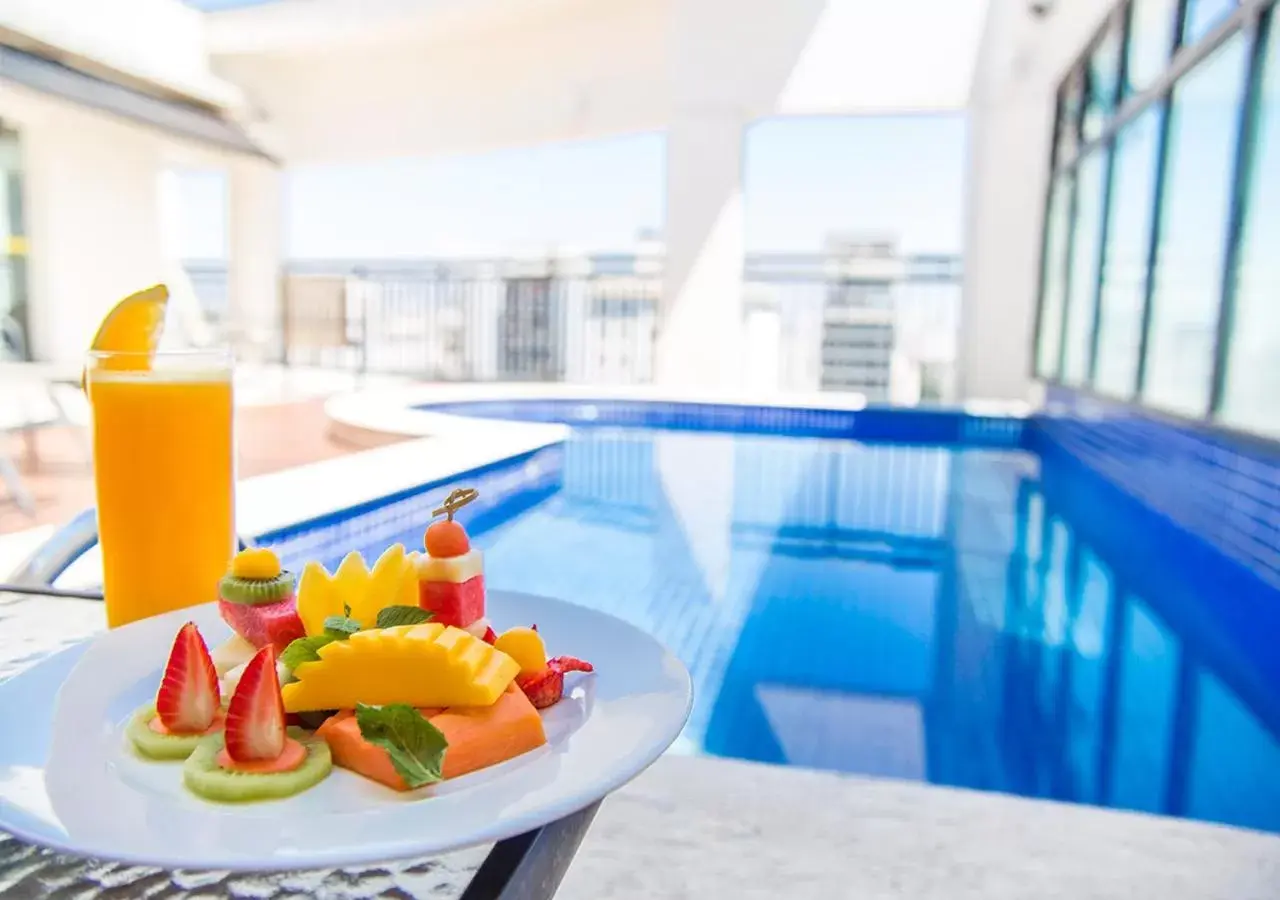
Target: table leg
(530, 866)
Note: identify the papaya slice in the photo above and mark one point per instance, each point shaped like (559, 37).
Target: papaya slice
(478, 737)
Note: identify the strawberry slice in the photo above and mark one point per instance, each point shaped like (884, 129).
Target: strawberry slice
(570, 664)
(255, 716)
(546, 688)
(490, 636)
(188, 699)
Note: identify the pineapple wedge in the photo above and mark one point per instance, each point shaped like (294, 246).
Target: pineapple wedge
(351, 581)
(316, 598)
(428, 665)
(381, 587)
(392, 581)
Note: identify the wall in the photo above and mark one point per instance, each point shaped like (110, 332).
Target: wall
(96, 220)
(93, 218)
(1020, 61)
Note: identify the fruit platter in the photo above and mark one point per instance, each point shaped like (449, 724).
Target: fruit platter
(391, 671)
(392, 706)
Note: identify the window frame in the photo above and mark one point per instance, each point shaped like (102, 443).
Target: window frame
(1250, 17)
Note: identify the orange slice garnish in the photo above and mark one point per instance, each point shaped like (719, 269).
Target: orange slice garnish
(132, 329)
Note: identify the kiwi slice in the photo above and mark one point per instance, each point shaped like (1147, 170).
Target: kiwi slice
(256, 591)
(203, 776)
(153, 744)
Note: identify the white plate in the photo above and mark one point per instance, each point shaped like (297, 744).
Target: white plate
(68, 781)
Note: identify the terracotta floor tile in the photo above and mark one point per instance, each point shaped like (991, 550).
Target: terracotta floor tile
(54, 462)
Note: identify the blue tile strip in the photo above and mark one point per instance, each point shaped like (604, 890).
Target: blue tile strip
(1218, 488)
(1216, 505)
(506, 489)
(885, 424)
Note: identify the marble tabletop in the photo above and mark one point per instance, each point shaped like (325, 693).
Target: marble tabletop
(32, 627)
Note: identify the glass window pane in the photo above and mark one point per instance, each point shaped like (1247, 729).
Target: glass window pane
(1202, 15)
(1251, 395)
(1053, 291)
(1070, 101)
(1104, 72)
(14, 342)
(1151, 29)
(1184, 316)
(1090, 182)
(1124, 266)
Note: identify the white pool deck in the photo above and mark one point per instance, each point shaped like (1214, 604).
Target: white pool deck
(700, 827)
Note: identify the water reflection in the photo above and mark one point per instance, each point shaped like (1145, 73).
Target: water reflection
(915, 612)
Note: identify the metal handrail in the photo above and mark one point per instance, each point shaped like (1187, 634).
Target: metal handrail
(64, 547)
(55, 555)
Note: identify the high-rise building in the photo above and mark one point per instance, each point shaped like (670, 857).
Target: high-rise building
(858, 333)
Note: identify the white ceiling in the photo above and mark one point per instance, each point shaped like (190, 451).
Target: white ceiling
(358, 79)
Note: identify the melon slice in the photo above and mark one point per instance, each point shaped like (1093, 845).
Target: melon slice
(452, 603)
(419, 665)
(276, 623)
(477, 738)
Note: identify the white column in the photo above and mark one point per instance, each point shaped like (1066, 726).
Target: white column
(91, 188)
(700, 316)
(1018, 65)
(1009, 145)
(255, 254)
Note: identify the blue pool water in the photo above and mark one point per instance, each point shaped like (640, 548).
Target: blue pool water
(928, 612)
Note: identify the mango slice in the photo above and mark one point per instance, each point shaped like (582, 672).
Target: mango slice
(421, 665)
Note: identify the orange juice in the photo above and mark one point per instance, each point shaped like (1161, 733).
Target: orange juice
(163, 457)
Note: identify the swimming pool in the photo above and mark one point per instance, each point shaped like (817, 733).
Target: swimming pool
(952, 612)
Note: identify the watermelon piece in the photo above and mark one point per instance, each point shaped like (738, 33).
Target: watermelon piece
(453, 603)
(276, 623)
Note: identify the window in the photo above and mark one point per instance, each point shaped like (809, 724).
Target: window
(1201, 17)
(1251, 392)
(1053, 291)
(1070, 102)
(1187, 273)
(1146, 294)
(1103, 76)
(1090, 183)
(1124, 265)
(1151, 29)
(13, 251)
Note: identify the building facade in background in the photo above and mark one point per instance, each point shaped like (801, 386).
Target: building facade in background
(860, 317)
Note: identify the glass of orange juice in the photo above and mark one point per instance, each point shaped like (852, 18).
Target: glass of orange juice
(164, 473)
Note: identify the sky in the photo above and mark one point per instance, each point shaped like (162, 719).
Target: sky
(802, 178)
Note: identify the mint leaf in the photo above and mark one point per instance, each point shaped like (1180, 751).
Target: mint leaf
(416, 747)
(391, 616)
(340, 627)
(303, 650)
